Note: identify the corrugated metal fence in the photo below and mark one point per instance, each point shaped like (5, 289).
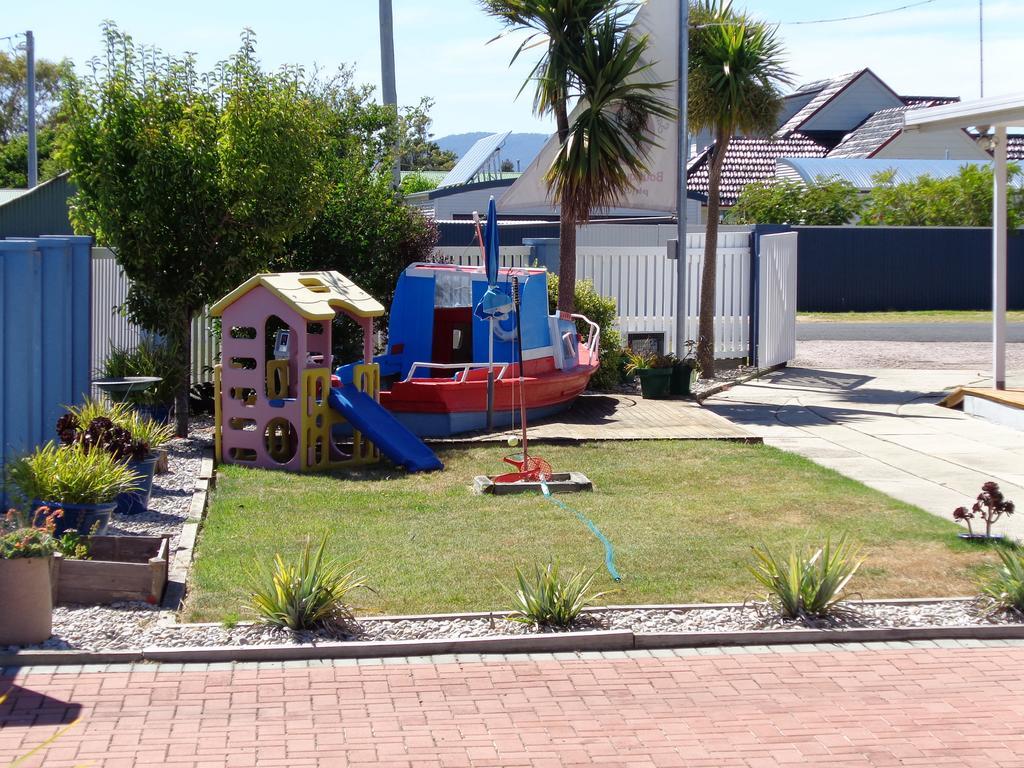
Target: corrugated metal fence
(111, 329)
(864, 269)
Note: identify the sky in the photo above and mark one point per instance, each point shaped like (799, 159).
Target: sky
(442, 50)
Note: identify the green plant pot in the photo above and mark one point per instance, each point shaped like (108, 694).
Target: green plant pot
(654, 382)
(682, 378)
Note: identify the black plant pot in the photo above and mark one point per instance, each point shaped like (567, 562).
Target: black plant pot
(134, 502)
(682, 378)
(84, 519)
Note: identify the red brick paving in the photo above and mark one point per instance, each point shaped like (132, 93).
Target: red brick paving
(920, 706)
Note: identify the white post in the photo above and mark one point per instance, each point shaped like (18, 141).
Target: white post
(683, 144)
(999, 223)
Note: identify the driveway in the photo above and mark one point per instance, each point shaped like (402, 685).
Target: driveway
(883, 428)
(944, 332)
(924, 703)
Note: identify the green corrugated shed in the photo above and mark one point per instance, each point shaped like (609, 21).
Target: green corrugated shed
(39, 211)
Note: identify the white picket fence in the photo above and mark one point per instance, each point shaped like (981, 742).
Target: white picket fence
(642, 280)
(111, 329)
(776, 316)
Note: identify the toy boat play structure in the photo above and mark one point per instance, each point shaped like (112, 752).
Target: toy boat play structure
(434, 373)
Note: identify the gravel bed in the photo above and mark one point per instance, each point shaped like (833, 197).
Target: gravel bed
(172, 491)
(903, 354)
(125, 626)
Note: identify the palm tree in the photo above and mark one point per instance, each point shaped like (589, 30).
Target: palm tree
(589, 59)
(735, 70)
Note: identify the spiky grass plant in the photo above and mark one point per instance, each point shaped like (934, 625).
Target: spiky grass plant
(807, 584)
(308, 594)
(547, 599)
(1003, 588)
(142, 428)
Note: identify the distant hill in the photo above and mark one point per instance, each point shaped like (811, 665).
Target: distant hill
(519, 147)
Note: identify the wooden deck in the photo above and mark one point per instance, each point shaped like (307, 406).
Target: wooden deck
(625, 417)
(1011, 397)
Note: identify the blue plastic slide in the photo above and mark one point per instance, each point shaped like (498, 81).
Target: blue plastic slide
(384, 430)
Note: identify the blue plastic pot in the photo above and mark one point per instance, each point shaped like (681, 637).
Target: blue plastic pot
(135, 502)
(81, 518)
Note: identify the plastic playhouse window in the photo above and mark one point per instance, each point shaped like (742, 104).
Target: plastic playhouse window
(314, 284)
(243, 332)
(244, 363)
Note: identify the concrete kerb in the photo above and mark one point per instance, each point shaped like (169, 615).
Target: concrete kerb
(719, 388)
(555, 642)
(177, 571)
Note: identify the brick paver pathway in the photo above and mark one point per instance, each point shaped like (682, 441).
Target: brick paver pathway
(926, 706)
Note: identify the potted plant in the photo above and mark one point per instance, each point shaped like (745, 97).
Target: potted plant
(151, 357)
(26, 598)
(654, 372)
(124, 433)
(989, 506)
(684, 370)
(82, 483)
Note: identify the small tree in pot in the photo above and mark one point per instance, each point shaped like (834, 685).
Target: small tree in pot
(26, 596)
(124, 433)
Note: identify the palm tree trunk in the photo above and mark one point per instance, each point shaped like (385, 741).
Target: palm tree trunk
(706, 332)
(566, 229)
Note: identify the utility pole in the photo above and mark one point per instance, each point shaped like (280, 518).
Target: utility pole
(387, 76)
(33, 158)
(981, 47)
(683, 144)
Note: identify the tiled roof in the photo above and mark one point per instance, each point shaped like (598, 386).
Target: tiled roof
(872, 134)
(1015, 147)
(929, 101)
(826, 89)
(749, 160)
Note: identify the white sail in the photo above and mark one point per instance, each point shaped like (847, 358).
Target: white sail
(656, 191)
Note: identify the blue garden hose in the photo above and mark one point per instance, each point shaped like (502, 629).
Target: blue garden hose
(609, 551)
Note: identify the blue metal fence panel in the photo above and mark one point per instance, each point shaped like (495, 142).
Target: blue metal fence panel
(867, 269)
(44, 339)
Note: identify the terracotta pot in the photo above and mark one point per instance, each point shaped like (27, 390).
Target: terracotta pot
(26, 601)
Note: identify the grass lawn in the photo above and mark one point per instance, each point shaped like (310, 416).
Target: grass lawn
(928, 316)
(680, 514)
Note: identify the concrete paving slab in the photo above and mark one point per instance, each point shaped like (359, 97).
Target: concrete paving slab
(884, 428)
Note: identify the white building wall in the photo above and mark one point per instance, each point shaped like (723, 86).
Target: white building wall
(853, 106)
(952, 144)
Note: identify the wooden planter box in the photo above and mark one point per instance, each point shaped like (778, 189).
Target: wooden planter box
(122, 568)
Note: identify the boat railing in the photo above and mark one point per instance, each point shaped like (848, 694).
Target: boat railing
(593, 335)
(463, 368)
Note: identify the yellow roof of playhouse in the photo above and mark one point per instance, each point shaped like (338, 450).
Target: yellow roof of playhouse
(314, 295)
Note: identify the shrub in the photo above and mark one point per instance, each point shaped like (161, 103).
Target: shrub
(1004, 587)
(808, 583)
(19, 539)
(116, 428)
(71, 474)
(149, 358)
(546, 599)
(989, 505)
(603, 312)
(309, 594)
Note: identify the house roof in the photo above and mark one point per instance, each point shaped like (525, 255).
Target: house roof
(6, 195)
(749, 160)
(825, 91)
(1015, 147)
(313, 295)
(860, 172)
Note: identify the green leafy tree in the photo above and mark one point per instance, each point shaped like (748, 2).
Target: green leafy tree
(507, 166)
(600, 309)
(964, 200)
(735, 74)
(416, 182)
(51, 78)
(419, 150)
(588, 58)
(195, 181)
(364, 230)
(825, 202)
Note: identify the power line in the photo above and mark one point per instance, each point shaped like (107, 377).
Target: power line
(859, 16)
